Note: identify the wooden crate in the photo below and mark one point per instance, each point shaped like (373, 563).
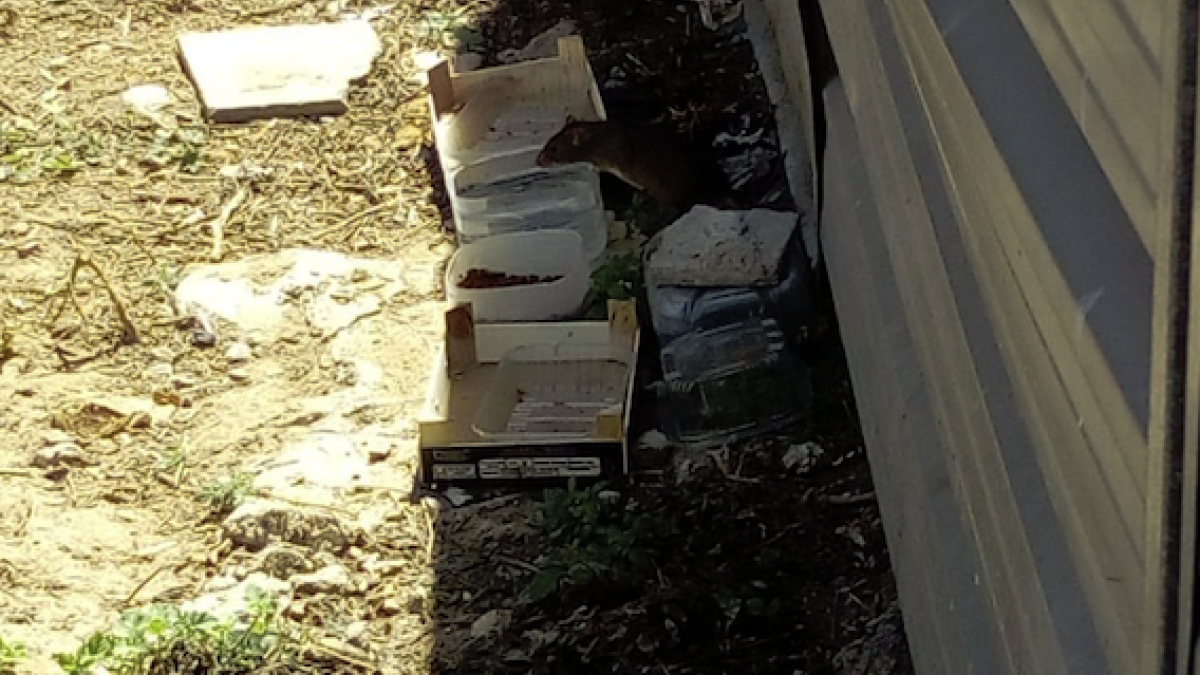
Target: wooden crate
(452, 452)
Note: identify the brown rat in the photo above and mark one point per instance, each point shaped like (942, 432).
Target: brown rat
(667, 169)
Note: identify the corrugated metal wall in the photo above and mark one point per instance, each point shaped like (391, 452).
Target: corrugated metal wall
(993, 181)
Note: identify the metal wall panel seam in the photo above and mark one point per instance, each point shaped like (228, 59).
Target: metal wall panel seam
(1165, 465)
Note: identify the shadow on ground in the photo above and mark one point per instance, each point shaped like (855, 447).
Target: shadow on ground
(753, 565)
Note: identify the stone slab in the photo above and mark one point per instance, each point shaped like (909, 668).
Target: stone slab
(278, 71)
(712, 247)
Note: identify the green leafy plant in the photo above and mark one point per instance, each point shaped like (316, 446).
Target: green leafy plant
(166, 278)
(175, 147)
(11, 653)
(164, 639)
(448, 29)
(27, 151)
(226, 493)
(620, 278)
(594, 541)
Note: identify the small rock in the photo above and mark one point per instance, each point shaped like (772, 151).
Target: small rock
(490, 623)
(457, 496)
(63, 454)
(163, 354)
(386, 568)
(160, 373)
(203, 338)
(147, 100)
(356, 631)
(259, 522)
(296, 610)
(239, 374)
(801, 458)
(390, 607)
(653, 440)
(183, 381)
(28, 249)
(15, 367)
(327, 580)
(233, 603)
(284, 562)
(238, 352)
(56, 437)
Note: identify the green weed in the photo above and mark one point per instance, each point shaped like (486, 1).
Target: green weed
(11, 653)
(175, 147)
(165, 640)
(227, 493)
(451, 30)
(620, 278)
(594, 542)
(28, 152)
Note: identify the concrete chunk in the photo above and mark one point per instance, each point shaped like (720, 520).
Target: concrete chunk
(711, 247)
(278, 71)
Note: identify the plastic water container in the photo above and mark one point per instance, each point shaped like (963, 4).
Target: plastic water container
(554, 391)
(590, 225)
(545, 253)
(730, 382)
(727, 355)
(511, 193)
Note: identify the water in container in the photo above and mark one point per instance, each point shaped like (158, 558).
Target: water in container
(728, 356)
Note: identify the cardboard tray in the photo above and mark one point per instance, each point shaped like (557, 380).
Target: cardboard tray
(452, 449)
(476, 97)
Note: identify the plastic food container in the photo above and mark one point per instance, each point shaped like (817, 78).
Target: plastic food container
(554, 391)
(544, 253)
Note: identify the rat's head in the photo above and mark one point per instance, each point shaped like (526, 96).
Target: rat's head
(565, 147)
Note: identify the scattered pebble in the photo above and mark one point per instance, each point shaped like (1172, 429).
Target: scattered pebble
(239, 374)
(457, 496)
(56, 437)
(653, 440)
(63, 454)
(160, 373)
(802, 458)
(147, 100)
(238, 352)
(494, 621)
(331, 579)
(609, 496)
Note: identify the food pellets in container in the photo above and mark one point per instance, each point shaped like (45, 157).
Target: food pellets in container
(522, 276)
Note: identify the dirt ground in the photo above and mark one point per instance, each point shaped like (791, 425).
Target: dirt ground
(756, 567)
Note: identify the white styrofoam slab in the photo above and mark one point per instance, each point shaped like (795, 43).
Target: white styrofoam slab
(277, 71)
(711, 247)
